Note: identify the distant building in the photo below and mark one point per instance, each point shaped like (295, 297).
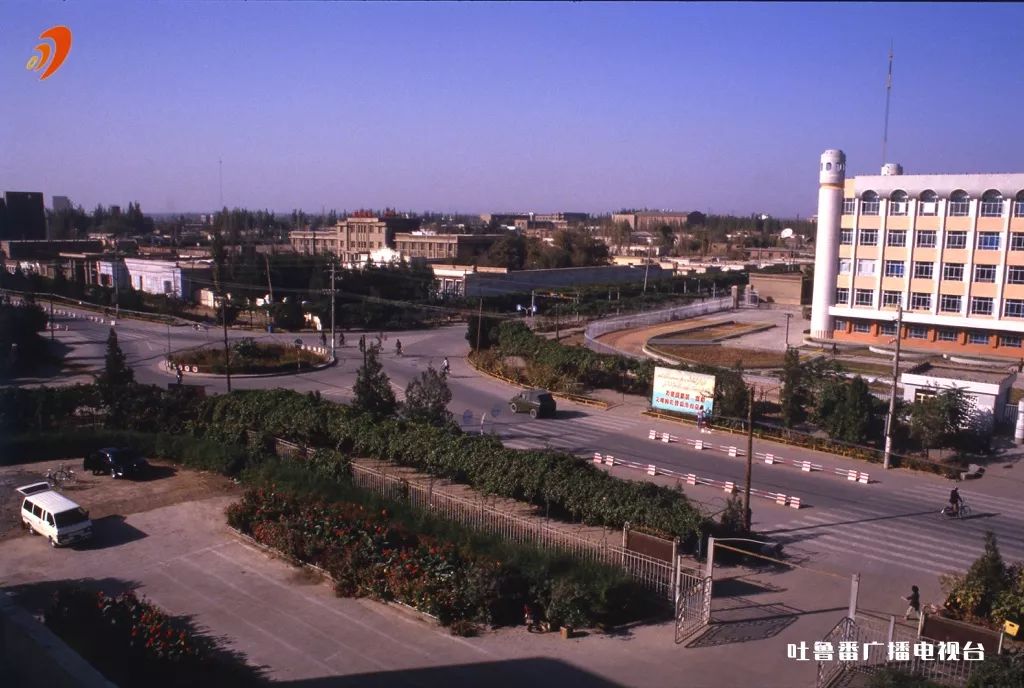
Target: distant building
(172, 278)
(61, 204)
(352, 239)
(986, 392)
(444, 247)
(650, 220)
(520, 281)
(23, 216)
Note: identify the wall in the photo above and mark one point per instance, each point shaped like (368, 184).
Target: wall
(785, 289)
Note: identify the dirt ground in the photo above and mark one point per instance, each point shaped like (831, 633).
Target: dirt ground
(104, 496)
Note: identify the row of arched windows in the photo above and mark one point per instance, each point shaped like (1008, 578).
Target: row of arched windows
(992, 202)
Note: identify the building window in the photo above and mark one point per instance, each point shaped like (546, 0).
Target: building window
(946, 335)
(959, 204)
(917, 332)
(846, 237)
(839, 325)
(988, 241)
(869, 203)
(862, 297)
(977, 338)
(894, 268)
(992, 204)
(1018, 204)
(845, 265)
(981, 305)
(898, 203)
(920, 301)
(897, 237)
(923, 270)
(926, 239)
(1010, 340)
(849, 206)
(869, 237)
(865, 267)
(954, 272)
(984, 273)
(956, 240)
(1015, 274)
(1014, 308)
(929, 203)
(949, 303)
(862, 327)
(1017, 241)
(887, 329)
(842, 296)
(890, 299)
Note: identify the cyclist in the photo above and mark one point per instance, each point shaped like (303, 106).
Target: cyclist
(444, 366)
(955, 501)
(398, 347)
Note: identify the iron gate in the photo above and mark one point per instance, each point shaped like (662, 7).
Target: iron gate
(693, 602)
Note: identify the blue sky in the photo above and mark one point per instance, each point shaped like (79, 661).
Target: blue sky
(483, 107)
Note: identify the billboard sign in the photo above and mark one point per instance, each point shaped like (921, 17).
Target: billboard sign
(682, 391)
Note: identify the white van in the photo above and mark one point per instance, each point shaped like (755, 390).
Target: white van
(53, 515)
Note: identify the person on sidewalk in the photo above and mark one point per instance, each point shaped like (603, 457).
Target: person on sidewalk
(700, 420)
(914, 602)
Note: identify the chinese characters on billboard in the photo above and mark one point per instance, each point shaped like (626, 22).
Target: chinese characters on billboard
(682, 391)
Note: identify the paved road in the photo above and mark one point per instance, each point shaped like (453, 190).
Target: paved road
(890, 527)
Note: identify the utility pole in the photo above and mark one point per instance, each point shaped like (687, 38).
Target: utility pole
(889, 421)
(51, 316)
(788, 316)
(750, 455)
(227, 351)
(647, 267)
(332, 311)
(270, 287)
(479, 321)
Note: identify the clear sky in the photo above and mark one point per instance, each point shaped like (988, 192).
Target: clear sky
(481, 107)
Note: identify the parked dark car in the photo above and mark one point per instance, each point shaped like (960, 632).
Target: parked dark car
(118, 463)
(536, 402)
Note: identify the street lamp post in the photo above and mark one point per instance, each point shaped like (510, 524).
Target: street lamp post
(788, 316)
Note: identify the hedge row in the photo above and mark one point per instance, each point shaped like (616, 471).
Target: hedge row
(372, 554)
(562, 483)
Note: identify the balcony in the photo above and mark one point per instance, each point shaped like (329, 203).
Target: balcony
(959, 208)
(1018, 209)
(869, 207)
(992, 209)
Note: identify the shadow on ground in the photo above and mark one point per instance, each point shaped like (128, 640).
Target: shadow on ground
(514, 673)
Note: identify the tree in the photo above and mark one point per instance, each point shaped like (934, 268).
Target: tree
(288, 315)
(794, 395)
(666, 237)
(846, 409)
(116, 372)
(937, 421)
(373, 393)
(732, 397)
(487, 329)
(973, 595)
(427, 398)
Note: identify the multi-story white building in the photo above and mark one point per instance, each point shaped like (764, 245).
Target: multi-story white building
(168, 277)
(946, 248)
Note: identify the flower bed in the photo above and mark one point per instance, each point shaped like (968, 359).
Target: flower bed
(372, 554)
(134, 643)
(248, 357)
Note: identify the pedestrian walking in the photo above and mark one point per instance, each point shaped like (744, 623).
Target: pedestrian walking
(179, 376)
(700, 420)
(323, 338)
(914, 603)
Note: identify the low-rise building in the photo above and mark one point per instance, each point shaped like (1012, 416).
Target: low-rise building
(353, 237)
(180, 280)
(444, 247)
(519, 281)
(986, 391)
(650, 220)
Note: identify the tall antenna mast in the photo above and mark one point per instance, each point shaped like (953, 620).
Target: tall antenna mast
(220, 165)
(888, 94)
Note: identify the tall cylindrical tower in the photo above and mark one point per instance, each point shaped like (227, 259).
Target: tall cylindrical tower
(826, 253)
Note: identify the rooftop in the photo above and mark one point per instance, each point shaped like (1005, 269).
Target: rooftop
(965, 374)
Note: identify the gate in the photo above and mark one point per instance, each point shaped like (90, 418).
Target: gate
(693, 602)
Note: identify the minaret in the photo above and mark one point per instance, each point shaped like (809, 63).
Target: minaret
(826, 254)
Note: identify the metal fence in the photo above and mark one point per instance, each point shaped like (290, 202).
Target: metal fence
(881, 632)
(596, 329)
(651, 573)
(1010, 413)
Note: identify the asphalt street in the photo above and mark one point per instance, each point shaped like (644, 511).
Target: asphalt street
(890, 526)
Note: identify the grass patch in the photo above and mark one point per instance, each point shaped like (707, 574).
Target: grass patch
(249, 357)
(724, 356)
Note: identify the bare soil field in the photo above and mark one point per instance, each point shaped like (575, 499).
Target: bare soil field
(714, 331)
(104, 496)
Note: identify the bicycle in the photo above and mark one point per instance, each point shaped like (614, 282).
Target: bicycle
(963, 512)
(59, 476)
